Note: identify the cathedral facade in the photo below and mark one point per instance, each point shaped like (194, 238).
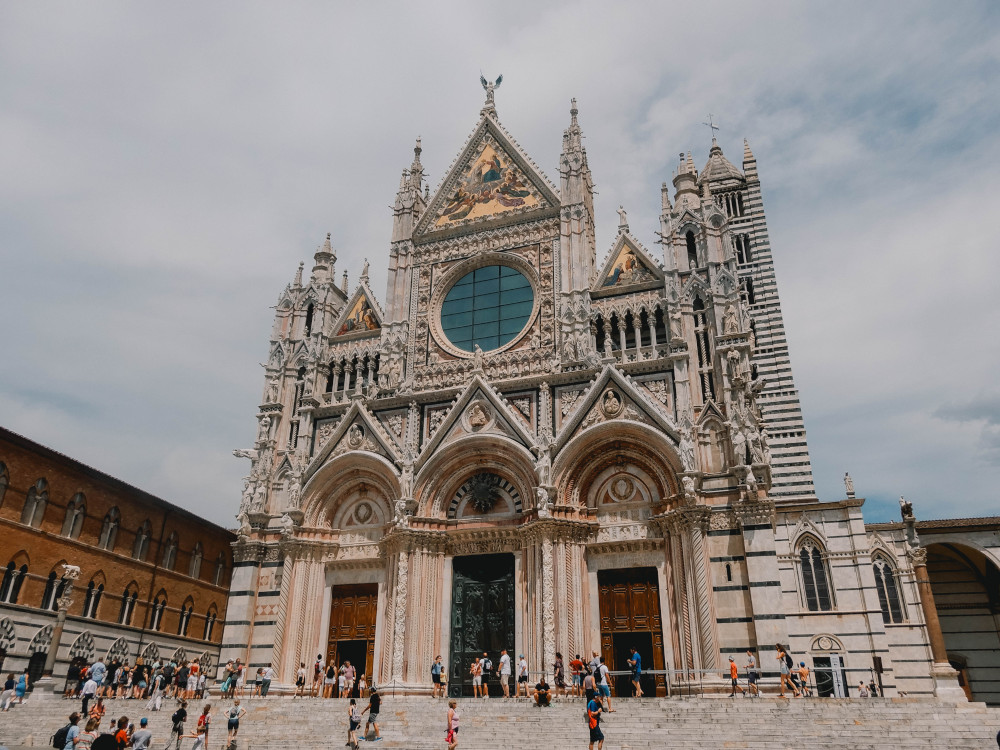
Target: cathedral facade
(534, 446)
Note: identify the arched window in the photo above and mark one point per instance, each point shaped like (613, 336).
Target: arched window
(156, 616)
(140, 548)
(109, 531)
(692, 249)
(220, 569)
(309, 319)
(54, 588)
(13, 577)
(888, 589)
(210, 618)
(93, 599)
(815, 579)
(34, 504)
(129, 598)
(729, 572)
(170, 551)
(76, 510)
(4, 480)
(185, 619)
(194, 569)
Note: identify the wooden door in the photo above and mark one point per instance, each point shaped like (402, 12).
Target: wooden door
(352, 618)
(630, 604)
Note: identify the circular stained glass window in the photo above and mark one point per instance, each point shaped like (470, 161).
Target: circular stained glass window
(488, 307)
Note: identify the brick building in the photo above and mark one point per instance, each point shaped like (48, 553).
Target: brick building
(153, 579)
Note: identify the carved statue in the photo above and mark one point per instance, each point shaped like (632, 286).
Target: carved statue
(543, 468)
(906, 509)
(245, 453)
(478, 417)
(244, 530)
(401, 518)
(477, 359)
(294, 492)
(264, 431)
(686, 450)
(751, 482)
(271, 394)
(542, 502)
(287, 526)
(676, 325)
(569, 349)
(70, 572)
(739, 441)
(489, 87)
(406, 480)
(849, 484)
(259, 497)
(355, 436)
(756, 449)
(611, 404)
(622, 217)
(688, 484)
(730, 321)
(247, 495)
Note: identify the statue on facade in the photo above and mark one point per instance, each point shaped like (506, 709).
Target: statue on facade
(489, 87)
(477, 358)
(401, 518)
(739, 441)
(294, 491)
(259, 497)
(849, 484)
(730, 321)
(287, 526)
(687, 483)
(676, 325)
(271, 393)
(244, 530)
(264, 430)
(543, 467)
(542, 502)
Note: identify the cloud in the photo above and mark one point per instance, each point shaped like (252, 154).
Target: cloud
(163, 168)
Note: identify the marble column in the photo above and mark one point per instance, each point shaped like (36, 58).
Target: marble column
(945, 677)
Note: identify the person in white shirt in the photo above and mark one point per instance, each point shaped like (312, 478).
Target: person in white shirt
(266, 678)
(88, 692)
(522, 676)
(319, 670)
(300, 681)
(505, 673)
(604, 684)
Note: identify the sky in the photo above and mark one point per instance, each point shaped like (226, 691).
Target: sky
(164, 167)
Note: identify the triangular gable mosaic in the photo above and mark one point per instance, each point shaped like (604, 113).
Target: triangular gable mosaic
(360, 315)
(628, 264)
(491, 179)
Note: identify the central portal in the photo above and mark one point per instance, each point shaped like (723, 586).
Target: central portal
(482, 616)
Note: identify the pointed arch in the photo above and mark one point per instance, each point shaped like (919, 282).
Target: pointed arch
(109, 529)
(150, 653)
(118, 652)
(95, 592)
(76, 512)
(55, 586)
(14, 576)
(342, 480)
(129, 598)
(156, 609)
(8, 636)
(187, 608)
(4, 481)
(41, 640)
(140, 548)
(814, 574)
(194, 567)
(83, 647)
(887, 587)
(219, 573)
(170, 551)
(35, 503)
(211, 615)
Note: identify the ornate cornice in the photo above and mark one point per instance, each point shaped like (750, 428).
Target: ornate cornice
(683, 519)
(625, 546)
(404, 539)
(755, 512)
(248, 551)
(559, 529)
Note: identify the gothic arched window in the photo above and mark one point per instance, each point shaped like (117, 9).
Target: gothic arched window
(76, 511)
(194, 568)
(704, 342)
(54, 588)
(692, 250)
(156, 617)
(129, 598)
(185, 619)
(13, 577)
(170, 551)
(141, 546)
(34, 504)
(309, 319)
(109, 530)
(887, 587)
(4, 480)
(815, 578)
(210, 618)
(220, 569)
(93, 599)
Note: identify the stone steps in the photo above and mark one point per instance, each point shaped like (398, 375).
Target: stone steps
(696, 723)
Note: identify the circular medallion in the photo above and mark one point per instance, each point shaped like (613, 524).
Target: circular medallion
(488, 307)
(355, 436)
(363, 513)
(612, 404)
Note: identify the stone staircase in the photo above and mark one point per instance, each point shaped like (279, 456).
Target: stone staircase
(416, 723)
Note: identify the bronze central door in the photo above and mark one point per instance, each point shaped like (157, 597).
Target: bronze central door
(482, 617)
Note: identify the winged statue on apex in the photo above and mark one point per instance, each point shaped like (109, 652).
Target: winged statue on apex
(489, 87)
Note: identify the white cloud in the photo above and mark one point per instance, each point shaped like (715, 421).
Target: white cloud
(163, 169)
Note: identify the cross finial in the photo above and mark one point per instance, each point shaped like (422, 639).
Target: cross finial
(711, 126)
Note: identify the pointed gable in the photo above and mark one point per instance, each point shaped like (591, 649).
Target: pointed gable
(357, 431)
(629, 265)
(478, 411)
(491, 179)
(361, 315)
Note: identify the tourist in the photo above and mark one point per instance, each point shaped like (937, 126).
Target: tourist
(69, 733)
(353, 722)
(362, 685)
(258, 680)
(635, 664)
(476, 670)
(487, 668)
(168, 678)
(451, 736)
(804, 679)
(139, 679)
(72, 678)
(576, 674)
(341, 681)
(436, 668)
(227, 677)
(180, 681)
(604, 684)
(595, 663)
(265, 683)
(121, 680)
(734, 676)
(191, 688)
(241, 676)
(751, 667)
(122, 735)
(8, 692)
(522, 676)
(21, 686)
(349, 674)
(98, 670)
(594, 722)
(559, 674)
(142, 737)
(300, 681)
(177, 726)
(88, 693)
(86, 738)
(328, 681)
(156, 694)
(98, 710)
(784, 667)
(505, 673)
(374, 705)
(873, 688)
(863, 690)
(589, 684)
(543, 693)
(233, 716)
(319, 672)
(204, 721)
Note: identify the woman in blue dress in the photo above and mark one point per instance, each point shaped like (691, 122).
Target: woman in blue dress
(21, 687)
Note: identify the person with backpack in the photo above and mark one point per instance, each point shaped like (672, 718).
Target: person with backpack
(233, 716)
(64, 738)
(177, 720)
(319, 672)
(374, 706)
(594, 723)
(487, 668)
(785, 664)
(329, 680)
(353, 722)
